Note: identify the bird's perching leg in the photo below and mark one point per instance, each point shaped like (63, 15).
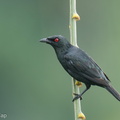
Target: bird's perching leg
(73, 39)
(77, 96)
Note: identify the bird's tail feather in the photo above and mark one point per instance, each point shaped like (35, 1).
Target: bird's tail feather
(113, 92)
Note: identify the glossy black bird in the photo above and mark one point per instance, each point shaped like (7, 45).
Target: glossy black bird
(79, 65)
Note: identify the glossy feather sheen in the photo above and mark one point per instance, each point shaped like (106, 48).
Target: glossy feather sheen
(80, 66)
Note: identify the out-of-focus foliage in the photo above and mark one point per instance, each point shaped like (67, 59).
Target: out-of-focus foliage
(33, 85)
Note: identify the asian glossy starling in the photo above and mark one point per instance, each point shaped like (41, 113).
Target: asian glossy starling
(79, 65)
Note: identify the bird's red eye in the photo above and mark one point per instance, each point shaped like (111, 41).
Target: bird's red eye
(56, 40)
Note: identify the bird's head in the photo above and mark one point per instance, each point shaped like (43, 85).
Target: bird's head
(57, 41)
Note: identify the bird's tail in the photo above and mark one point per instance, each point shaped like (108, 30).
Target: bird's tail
(113, 92)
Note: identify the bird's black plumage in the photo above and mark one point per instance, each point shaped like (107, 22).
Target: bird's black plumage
(79, 65)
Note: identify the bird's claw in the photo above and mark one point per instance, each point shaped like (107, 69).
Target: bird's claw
(77, 96)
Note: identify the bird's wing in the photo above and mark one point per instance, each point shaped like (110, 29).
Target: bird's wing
(84, 66)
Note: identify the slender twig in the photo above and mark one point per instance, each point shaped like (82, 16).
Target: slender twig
(73, 39)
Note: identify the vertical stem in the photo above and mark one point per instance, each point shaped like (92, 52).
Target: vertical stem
(73, 39)
(73, 33)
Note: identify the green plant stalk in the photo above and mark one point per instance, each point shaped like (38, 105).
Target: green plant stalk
(73, 40)
(73, 30)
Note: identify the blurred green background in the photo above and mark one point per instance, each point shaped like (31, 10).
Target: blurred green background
(33, 85)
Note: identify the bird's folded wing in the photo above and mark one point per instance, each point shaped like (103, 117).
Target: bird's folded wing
(85, 67)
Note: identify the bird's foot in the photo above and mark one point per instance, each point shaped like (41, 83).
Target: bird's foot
(77, 96)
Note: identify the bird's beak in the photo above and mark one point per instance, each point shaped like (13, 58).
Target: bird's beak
(44, 40)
